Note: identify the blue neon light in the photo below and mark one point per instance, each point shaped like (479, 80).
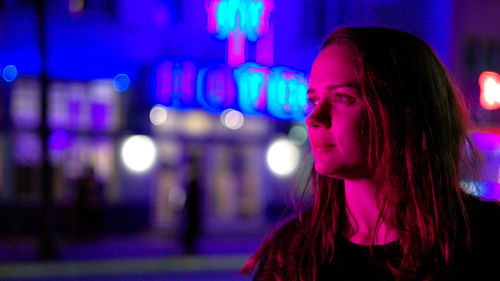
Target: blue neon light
(279, 91)
(251, 80)
(9, 73)
(215, 88)
(288, 92)
(58, 140)
(248, 16)
(121, 82)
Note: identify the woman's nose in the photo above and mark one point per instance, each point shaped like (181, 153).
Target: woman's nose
(320, 116)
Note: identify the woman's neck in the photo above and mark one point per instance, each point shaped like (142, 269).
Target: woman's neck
(362, 215)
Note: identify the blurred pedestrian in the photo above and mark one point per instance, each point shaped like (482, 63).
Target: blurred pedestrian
(88, 206)
(192, 227)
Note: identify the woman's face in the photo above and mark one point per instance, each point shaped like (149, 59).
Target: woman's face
(335, 124)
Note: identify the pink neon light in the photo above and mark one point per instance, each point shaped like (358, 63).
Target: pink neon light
(236, 44)
(489, 83)
(187, 81)
(265, 48)
(264, 25)
(164, 82)
(211, 7)
(261, 102)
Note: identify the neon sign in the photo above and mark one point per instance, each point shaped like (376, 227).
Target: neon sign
(215, 88)
(238, 20)
(252, 81)
(175, 82)
(489, 82)
(250, 17)
(288, 91)
(254, 89)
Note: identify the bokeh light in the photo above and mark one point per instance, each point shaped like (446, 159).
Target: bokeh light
(121, 82)
(232, 119)
(158, 115)
(177, 197)
(489, 82)
(58, 140)
(197, 123)
(138, 153)
(282, 157)
(9, 73)
(76, 6)
(297, 134)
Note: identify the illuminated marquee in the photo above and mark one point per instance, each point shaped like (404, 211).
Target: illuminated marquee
(254, 89)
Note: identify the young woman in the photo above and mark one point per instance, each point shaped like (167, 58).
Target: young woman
(389, 135)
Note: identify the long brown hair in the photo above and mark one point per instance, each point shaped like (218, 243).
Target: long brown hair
(418, 143)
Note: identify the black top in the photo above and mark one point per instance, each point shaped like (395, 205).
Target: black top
(354, 262)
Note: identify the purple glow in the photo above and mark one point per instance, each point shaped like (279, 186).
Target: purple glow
(487, 141)
(491, 191)
(58, 140)
(164, 82)
(188, 77)
(27, 149)
(265, 48)
(74, 113)
(99, 117)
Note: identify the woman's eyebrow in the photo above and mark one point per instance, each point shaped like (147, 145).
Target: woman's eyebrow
(335, 86)
(347, 85)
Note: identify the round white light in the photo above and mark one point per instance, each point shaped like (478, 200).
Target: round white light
(297, 135)
(158, 115)
(232, 119)
(138, 153)
(282, 157)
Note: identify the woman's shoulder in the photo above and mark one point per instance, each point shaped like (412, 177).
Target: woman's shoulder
(483, 214)
(484, 219)
(479, 262)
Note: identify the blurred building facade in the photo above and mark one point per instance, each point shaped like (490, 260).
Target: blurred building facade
(218, 79)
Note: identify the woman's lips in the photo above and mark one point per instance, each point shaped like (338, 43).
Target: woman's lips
(322, 147)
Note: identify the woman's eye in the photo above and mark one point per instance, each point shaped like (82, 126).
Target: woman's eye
(344, 99)
(313, 101)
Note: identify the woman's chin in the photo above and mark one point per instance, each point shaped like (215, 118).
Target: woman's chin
(324, 169)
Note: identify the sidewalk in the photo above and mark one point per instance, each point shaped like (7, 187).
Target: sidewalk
(142, 257)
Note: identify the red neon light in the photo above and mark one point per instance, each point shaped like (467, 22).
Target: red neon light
(489, 83)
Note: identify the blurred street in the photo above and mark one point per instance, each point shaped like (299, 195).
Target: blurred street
(143, 257)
